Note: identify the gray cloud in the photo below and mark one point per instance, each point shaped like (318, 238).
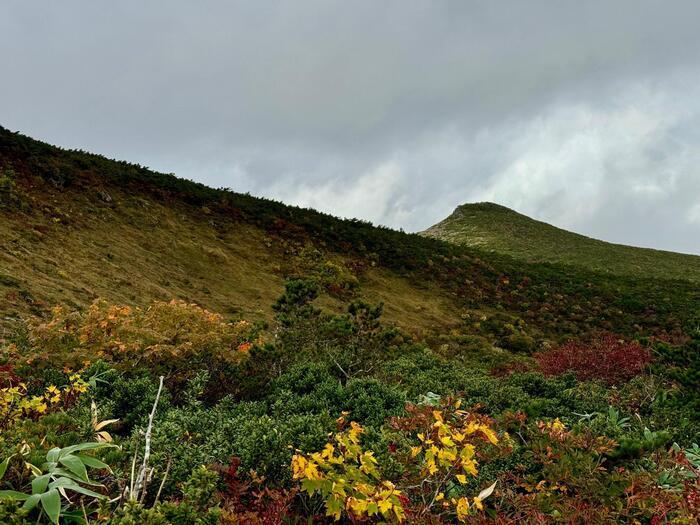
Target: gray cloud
(585, 114)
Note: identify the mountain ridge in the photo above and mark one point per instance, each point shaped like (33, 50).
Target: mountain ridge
(497, 228)
(77, 226)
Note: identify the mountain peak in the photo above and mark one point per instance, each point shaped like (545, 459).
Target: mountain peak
(497, 228)
(484, 205)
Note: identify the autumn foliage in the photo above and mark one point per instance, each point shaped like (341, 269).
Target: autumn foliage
(607, 358)
(516, 447)
(441, 459)
(17, 403)
(165, 337)
(248, 500)
(347, 478)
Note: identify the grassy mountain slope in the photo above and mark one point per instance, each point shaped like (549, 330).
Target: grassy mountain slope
(496, 228)
(75, 247)
(578, 389)
(76, 226)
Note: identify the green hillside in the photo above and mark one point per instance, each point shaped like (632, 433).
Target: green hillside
(174, 354)
(493, 227)
(76, 227)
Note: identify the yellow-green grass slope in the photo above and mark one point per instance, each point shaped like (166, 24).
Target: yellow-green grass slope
(70, 236)
(76, 226)
(495, 228)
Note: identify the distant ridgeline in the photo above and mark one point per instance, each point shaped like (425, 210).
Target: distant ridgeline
(493, 227)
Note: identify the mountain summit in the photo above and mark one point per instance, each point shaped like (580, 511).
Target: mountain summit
(495, 228)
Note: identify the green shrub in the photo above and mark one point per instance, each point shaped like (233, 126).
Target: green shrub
(197, 506)
(59, 429)
(521, 343)
(371, 402)
(312, 388)
(11, 513)
(129, 398)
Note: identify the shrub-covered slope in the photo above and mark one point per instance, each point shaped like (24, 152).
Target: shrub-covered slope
(76, 226)
(173, 354)
(499, 229)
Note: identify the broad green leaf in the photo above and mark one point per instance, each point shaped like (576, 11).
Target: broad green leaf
(83, 490)
(69, 475)
(75, 465)
(13, 494)
(93, 462)
(51, 501)
(32, 501)
(53, 455)
(84, 446)
(3, 466)
(40, 483)
(67, 484)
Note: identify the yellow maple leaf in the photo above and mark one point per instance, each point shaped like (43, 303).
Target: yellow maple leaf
(470, 467)
(384, 506)
(447, 441)
(462, 509)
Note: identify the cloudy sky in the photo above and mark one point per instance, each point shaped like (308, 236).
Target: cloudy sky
(583, 114)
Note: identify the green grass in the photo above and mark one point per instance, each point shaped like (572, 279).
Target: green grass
(495, 228)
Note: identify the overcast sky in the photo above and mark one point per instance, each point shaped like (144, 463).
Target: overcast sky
(582, 114)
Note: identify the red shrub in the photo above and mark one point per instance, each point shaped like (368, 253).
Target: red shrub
(607, 358)
(249, 502)
(8, 378)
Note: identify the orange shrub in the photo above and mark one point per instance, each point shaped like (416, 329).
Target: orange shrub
(167, 336)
